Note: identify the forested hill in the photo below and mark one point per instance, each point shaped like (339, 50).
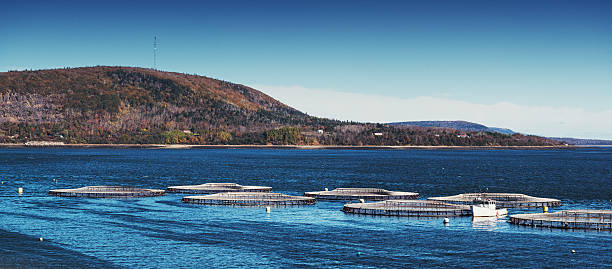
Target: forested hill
(144, 106)
(122, 104)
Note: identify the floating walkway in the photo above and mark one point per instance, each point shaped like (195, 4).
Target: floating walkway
(210, 188)
(502, 200)
(249, 199)
(107, 192)
(372, 194)
(567, 219)
(409, 208)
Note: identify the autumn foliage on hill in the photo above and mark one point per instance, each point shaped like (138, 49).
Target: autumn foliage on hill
(144, 106)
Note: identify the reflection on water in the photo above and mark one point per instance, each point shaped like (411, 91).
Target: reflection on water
(486, 223)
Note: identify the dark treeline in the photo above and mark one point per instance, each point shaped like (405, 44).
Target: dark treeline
(365, 134)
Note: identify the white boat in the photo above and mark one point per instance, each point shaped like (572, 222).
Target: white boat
(487, 208)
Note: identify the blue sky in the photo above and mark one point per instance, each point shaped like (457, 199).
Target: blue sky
(553, 56)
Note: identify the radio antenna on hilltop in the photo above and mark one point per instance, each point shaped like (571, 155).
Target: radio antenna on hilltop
(155, 53)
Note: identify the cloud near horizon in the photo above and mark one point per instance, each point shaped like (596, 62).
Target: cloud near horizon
(538, 120)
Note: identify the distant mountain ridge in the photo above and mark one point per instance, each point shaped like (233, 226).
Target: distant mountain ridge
(583, 142)
(458, 125)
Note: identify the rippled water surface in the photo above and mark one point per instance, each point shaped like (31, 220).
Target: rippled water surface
(163, 232)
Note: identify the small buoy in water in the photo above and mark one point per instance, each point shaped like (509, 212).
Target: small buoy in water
(326, 189)
(358, 253)
(2, 182)
(20, 190)
(573, 251)
(267, 209)
(446, 221)
(545, 209)
(361, 201)
(41, 239)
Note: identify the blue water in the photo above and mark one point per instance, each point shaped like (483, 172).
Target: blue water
(163, 232)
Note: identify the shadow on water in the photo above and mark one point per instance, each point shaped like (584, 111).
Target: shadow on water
(22, 251)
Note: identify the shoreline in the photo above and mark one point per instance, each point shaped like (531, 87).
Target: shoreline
(313, 147)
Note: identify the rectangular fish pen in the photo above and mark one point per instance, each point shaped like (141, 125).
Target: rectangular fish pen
(567, 219)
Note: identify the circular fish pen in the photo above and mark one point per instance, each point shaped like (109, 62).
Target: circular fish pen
(409, 208)
(107, 192)
(249, 199)
(210, 188)
(567, 219)
(502, 200)
(371, 194)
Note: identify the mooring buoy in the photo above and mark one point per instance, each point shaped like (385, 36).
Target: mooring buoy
(446, 221)
(20, 190)
(40, 239)
(267, 209)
